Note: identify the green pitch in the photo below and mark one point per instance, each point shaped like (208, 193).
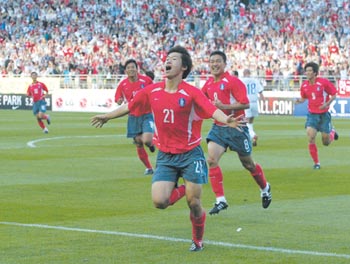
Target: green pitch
(78, 195)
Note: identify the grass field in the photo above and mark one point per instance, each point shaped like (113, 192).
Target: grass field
(78, 195)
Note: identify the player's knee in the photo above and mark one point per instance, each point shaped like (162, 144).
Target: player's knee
(160, 202)
(326, 142)
(194, 204)
(138, 142)
(212, 162)
(148, 143)
(160, 205)
(250, 166)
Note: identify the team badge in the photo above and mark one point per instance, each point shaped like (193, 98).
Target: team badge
(222, 87)
(142, 86)
(182, 102)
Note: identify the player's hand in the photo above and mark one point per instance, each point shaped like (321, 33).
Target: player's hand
(218, 104)
(237, 122)
(298, 101)
(324, 106)
(120, 101)
(99, 120)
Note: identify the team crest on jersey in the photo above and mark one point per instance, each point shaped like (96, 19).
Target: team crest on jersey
(182, 102)
(318, 88)
(142, 86)
(222, 87)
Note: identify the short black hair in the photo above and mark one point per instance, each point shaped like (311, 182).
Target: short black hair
(150, 74)
(130, 61)
(185, 57)
(220, 53)
(313, 65)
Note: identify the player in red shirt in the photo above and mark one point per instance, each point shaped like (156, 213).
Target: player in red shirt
(229, 94)
(38, 90)
(320, 93)
(178, 110)
(140, 126)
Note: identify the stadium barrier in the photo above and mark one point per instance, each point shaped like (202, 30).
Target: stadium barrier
(85, 97)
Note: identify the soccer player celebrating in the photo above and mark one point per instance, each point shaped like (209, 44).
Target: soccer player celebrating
(38, 90)
(140, 127)
(229, 94)
(178, 110)
(320, 93)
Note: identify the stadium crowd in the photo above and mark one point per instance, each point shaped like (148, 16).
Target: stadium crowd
(272, 38)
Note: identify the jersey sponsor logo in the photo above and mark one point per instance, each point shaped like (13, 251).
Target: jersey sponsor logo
(182, 102)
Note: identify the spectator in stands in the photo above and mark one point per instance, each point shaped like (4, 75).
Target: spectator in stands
(65, 31)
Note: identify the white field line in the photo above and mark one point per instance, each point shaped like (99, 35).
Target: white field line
(32, 143)
(172, 239)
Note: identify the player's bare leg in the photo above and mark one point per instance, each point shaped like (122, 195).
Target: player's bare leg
(313, 151)
(259, 176)
(142, 154)
(197, 214)
(215, 152)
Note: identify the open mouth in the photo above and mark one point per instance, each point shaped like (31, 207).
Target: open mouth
(167, 68)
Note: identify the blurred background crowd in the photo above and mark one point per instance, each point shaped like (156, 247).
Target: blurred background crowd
(273, 38)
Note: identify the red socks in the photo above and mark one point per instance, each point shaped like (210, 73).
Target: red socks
(143, 156)
(198, 224)
(259, 176)
(313, 152)
(331, 135)
(41, 123)
(216, 180)
(177, 194)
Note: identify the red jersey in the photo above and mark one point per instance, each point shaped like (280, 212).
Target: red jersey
(317, 94)
(127, 90)
(229, 89)
(37, 91)
(178, 116)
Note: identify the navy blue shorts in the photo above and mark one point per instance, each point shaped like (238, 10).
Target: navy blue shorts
(231, 138)
(139, 125)
(39, 106)
(320, 122)
(190, 165)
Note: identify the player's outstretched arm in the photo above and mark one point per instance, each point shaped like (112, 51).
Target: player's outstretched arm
(235, 122)
(100, 120)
